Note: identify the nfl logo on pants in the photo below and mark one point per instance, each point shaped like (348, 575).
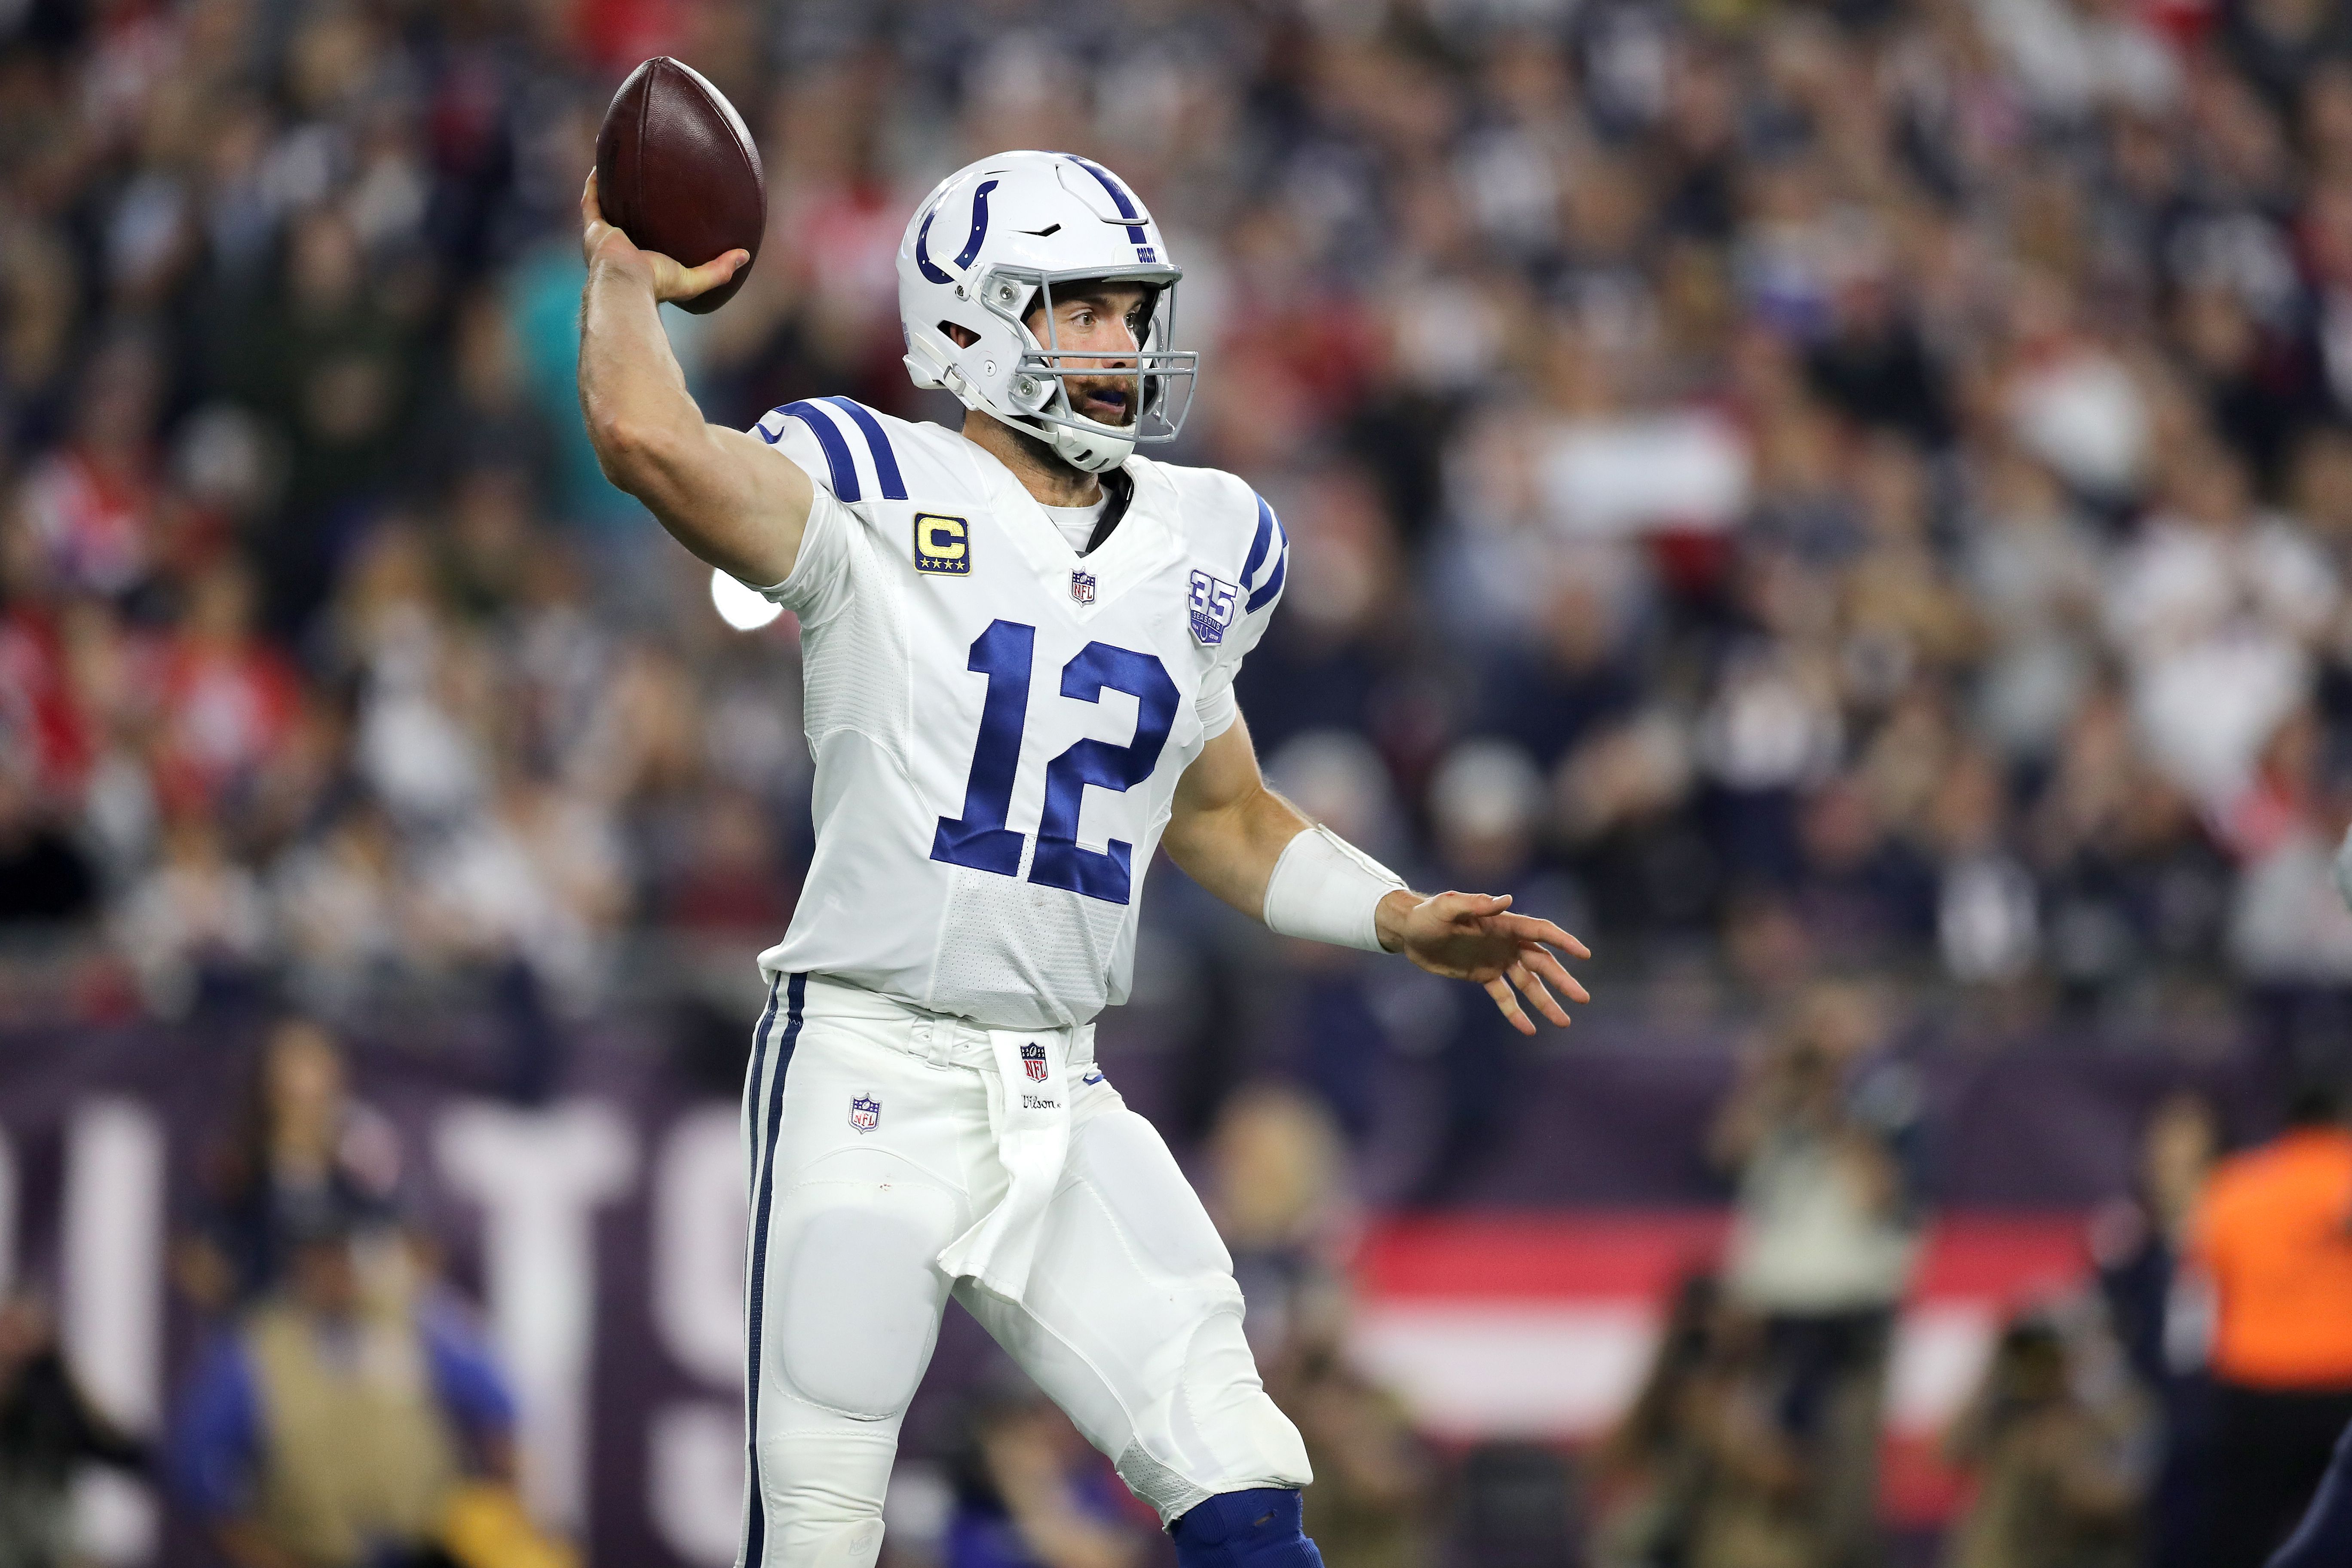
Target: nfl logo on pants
(864, 1112)
(1033, 1061)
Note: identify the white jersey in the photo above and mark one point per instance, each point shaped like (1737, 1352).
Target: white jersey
(998, 722)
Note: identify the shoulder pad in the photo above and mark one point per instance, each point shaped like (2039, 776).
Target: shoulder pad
(860, 455)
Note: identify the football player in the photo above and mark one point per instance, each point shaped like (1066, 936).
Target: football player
(1020, 641)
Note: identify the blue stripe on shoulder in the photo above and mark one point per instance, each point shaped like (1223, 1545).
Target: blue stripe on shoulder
(886, 461)
(836, 450)
(1257, 546)
(1272, 535)
(1272, 584)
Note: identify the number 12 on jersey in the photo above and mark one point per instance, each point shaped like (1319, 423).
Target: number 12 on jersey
(978, 839)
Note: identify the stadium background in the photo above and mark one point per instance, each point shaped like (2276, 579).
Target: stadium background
(1847, 506)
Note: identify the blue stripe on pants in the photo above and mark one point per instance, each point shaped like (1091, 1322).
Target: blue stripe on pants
(763, 1172)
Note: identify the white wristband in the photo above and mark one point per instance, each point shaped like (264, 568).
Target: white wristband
(1325, 889)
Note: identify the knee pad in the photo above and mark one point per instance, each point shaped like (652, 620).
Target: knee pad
(1256, 1529)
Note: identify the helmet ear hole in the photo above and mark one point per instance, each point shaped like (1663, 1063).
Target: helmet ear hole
(962, 337)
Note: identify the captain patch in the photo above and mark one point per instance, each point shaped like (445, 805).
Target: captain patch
(942, 544)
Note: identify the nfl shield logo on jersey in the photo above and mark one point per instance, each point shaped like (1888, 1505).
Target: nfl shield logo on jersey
(1082, 587)
(1033, 1061)
(1211, 603)
(864, 1113)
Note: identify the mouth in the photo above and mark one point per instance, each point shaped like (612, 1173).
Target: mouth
(1105, 403)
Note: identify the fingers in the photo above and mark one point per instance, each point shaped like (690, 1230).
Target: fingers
(1527, 928)
(1510, 1005)
(1453, 907)
(693, 280)
(1533, 989)
(592, 211)
(1543, 962)
(1466, 909)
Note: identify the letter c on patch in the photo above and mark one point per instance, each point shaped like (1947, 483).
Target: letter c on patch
(943, 543)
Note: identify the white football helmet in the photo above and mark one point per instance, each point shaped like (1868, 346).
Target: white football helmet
(991, 244)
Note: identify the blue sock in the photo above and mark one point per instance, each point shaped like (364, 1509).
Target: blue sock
(1256, 1529)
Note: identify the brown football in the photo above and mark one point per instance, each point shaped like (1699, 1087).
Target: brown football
(677, 173)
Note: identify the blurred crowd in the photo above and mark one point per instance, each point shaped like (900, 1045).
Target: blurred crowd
(1816, 485)
(2177, 1404)
(340, 1404)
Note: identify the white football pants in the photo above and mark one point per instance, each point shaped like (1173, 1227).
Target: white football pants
(868, 1128)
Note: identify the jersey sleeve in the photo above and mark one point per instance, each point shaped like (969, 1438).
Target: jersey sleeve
(819, 583)
(1264, 573)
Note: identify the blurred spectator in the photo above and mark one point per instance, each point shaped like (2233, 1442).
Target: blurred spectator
(2274, 1235)
(333, 1423)
(1703, 1471)
(1373, 1503)
(2055, 1453)
(1276, 1189)
(330, 361)
(90, 504)
(197, 926)
(1031, 1494)
(48, 1430)
(486, 420)
(2161, 1317)
(2216, 597)
(228, 699)
(1516, 1507)
(45, 879)
(1487, 802)
(1648, 1471)
(302, 1152)
(343, 901)
(1820, 1134)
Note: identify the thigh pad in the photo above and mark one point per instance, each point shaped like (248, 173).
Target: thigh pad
(857, 1295)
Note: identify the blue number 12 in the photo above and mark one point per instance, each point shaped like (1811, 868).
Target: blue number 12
(979, 839)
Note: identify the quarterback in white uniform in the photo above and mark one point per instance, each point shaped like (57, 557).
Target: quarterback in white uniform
(1020, 641)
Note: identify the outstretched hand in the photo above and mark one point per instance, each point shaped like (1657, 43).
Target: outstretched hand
(1475, 937)
(604, 242)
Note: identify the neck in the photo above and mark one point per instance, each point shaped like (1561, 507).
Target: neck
(1049, 480)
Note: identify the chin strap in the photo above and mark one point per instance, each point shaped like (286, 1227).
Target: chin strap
(1256, 1529)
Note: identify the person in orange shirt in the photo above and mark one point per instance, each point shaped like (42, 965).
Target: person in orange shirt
(2274, 1237)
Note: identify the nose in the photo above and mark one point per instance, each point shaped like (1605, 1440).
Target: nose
(1109, 337)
